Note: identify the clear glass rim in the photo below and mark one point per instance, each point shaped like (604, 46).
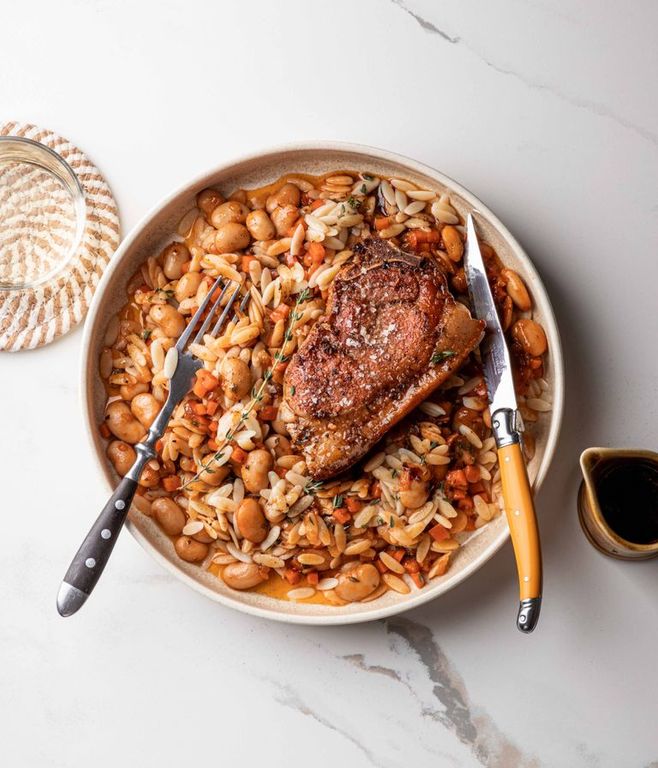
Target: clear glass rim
(22, 149)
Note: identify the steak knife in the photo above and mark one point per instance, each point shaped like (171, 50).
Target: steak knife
(517, 495)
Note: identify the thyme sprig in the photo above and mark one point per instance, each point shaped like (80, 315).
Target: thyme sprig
(257, 395)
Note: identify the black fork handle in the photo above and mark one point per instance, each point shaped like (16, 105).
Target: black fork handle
(91, 559)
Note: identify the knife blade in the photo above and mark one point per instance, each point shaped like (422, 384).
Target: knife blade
(517, 495)
(497, 366)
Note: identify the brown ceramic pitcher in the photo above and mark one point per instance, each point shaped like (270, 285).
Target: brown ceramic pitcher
(618, 502)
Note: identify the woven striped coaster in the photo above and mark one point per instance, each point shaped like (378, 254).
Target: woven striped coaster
(32, 317)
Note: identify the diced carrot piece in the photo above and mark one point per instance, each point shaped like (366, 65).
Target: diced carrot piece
(439, 533)
(171, 483)
(341, 515)
(353, 504)
(457, 479)
(159, 445)
(418, 579)
(315, 254)
(205, 382)
(398, 554)
(477, 487)
(380, 566)
(312, 578)
(280, 313)
(458, 494)
(381, 222)
(470, 525)
(317, 204)
(292, 576)
(376, 490)
(211, 407)
(212, 427)
(411, 565)
(472, 473)
(238, 455)
(411, 240)
(465, 504)
(268, 413)
(246, 261)
(198, 408)
(419, 239)
(280, 471)
(104, 430)
(213, 445)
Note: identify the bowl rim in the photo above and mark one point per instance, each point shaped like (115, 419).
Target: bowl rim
(422, 596)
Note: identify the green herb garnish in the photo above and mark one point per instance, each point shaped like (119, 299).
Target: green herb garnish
(439, 357)
(166, 292)
(146, 333)
(312, 488)
(364, 189)
(337, 501)
(367, 176)
(353, 202)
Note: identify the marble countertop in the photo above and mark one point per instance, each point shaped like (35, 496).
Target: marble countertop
(547, 111)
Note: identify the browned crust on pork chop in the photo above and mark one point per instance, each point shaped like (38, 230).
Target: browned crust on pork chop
(368, 361)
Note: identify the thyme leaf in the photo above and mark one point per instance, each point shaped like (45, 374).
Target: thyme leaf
(439, 357)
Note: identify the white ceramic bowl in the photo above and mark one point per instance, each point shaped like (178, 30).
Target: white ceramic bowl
(150, 235)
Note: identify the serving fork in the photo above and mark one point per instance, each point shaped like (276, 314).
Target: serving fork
(90, 560)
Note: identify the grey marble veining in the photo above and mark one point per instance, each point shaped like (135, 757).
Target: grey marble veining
(581, 102)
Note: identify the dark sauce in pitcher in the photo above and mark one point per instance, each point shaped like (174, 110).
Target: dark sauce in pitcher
(627, 490)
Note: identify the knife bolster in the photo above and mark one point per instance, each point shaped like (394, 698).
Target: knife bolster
(503, 425)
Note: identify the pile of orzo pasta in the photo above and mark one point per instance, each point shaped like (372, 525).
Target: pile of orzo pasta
(227, 485)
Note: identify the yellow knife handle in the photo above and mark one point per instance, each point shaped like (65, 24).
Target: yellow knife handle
(522, 521)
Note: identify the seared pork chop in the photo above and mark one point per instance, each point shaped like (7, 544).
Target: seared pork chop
(391, 334)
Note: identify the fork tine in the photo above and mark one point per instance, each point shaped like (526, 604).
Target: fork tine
(211, 313)
(224, 314)
(245, 301)
(185, 337)
(241, 308)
